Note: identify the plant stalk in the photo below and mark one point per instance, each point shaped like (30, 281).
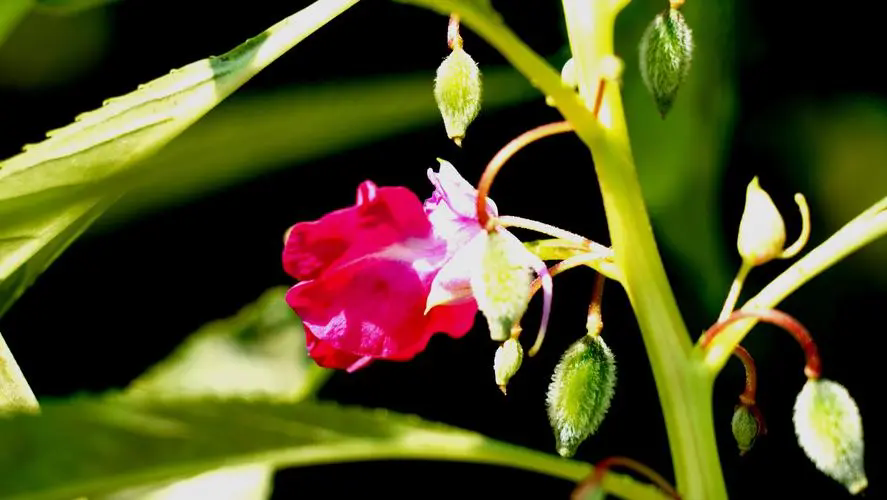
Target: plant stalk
(684, 389)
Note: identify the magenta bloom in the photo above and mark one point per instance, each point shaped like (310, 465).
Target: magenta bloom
(366, 272)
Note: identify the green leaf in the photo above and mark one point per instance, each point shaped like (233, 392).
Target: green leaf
(57, 177)
(70, 6)
(92, 446)
(258, 352)
(277, 129)
(11, 12)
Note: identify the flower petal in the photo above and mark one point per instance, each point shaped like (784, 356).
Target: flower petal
(452, 284)
(455, 320)
(373, 307)
(326, 355)
(380, 217)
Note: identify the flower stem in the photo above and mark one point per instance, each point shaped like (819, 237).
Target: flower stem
(751, 376)
(684, 390)
(865, 228)
(591, 484)
(575, 261)
(454, 38)
(504, 154)
(594, 323)
(554, 231)
(799, 244)
(15, 393)
(812, 369)
(735, 289)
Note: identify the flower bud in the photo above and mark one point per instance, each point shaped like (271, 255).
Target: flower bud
(829, 430)
(761, 230)
(745, 428)
(568, 74)
(502, 283)
(580, 392)
(457, 90)
(507, 361)
(666, 51)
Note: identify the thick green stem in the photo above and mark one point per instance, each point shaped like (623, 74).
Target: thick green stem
(684, 389)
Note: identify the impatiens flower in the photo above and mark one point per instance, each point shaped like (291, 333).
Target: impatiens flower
(365, 273)
(378, 279)
(495, 268)
(453, 215)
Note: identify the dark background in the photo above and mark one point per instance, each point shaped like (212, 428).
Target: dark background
(809, 115)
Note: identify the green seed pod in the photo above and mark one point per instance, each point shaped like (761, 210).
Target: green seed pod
(761, 230)
(580, 392)
(666, 52)
(457, 90)
(502, 282)
(829, 430)
(507, 361)
(745, 428)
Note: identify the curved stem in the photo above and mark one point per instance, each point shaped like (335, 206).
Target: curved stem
(564, 265)
(812, 369)
(865, 228)
(751, 376)
(603, 467)
(504, 154)
(799, 244)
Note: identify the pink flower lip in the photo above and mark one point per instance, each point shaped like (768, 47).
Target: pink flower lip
(365, 274)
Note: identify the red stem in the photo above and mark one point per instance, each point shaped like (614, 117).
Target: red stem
(504, 154)
(812, 369)
(601, 468)
(751, 376)
(599, 97)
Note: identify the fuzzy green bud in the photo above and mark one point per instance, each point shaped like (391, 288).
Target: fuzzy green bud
(761, 230)
(457, 90)
(507, 361)
(745, 428)
(580, 392)
(502, 283)
(829, 430)
(666, 52)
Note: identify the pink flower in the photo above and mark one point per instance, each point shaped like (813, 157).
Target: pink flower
(366, 273)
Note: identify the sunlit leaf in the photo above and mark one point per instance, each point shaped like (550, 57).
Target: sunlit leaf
(70, 6)
(93, 446)
(258, 352)
(11, 12)
(280, 128)
(116, 136)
